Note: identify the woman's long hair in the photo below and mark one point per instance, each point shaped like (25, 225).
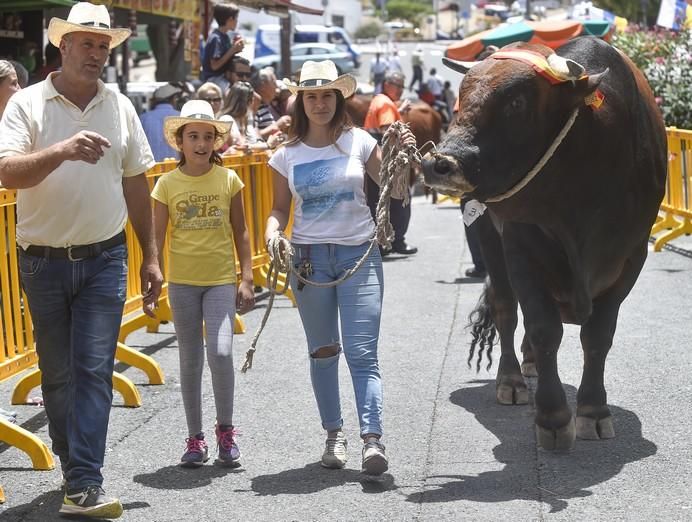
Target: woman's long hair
(237, 104)
(300, 123)
(215, 156)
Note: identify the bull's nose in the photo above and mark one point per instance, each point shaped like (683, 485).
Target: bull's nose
(437, 165)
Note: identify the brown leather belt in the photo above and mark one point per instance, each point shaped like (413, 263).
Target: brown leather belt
(77, 252)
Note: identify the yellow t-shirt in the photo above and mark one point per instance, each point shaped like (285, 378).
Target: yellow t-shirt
(201, 239)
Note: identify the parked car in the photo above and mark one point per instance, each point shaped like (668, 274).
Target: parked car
(301, 53)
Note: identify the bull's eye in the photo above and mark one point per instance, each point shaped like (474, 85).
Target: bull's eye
(516, 106)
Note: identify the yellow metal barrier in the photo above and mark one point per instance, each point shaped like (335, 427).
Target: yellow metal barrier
(18, 352)
(676, 209)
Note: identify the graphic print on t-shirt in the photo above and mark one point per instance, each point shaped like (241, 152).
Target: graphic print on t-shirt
(321, 184)
(195, 211)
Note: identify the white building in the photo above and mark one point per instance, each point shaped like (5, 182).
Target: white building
(344, 13)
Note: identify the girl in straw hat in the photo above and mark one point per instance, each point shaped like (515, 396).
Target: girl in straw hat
(202, 202)
(322, 170)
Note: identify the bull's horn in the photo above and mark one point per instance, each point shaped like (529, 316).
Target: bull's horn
(567, 69)
(456, 65)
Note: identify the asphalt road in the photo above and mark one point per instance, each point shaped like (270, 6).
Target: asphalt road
(455, 453)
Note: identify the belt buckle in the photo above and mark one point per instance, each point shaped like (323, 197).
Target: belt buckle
(69, 254)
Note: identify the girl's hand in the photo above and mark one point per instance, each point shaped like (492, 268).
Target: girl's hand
(245, 298)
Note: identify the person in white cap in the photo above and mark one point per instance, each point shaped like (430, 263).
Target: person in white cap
(322, 170)
(163, 105)
(203, 204)
(77, 154)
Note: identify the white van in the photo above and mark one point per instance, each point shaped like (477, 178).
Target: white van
(267, 40)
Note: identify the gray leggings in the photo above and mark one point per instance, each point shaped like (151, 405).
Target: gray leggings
(214, 308)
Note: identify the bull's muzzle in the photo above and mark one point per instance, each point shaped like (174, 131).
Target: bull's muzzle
(443, 173)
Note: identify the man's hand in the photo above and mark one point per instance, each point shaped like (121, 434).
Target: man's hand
(85, 146)
(151, 277)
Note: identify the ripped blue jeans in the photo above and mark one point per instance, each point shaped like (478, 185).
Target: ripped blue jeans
(356, 306)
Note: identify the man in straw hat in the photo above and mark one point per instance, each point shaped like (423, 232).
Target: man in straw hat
(76, 152)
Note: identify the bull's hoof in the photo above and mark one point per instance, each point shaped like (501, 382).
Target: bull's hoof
(557, 440)
(595, 429)
(509, 394)
(528, 369)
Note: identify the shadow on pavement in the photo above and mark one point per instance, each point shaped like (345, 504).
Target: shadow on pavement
(177, 478)
(551, 478)
(313, 478)
(43, 507)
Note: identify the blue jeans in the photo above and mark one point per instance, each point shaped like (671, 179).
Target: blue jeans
(76, 308)
(357, 303)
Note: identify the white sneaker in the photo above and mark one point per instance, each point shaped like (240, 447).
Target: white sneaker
(375, 462)
(334, 455)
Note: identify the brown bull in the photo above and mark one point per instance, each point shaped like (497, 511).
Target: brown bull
(568, 152)
(425, 122)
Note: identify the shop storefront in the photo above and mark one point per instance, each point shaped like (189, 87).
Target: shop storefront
(21, 30)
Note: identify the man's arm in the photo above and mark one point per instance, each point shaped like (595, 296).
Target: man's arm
(136, 191)
(26, 171)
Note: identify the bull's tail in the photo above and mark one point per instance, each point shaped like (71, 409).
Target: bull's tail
(483, 330)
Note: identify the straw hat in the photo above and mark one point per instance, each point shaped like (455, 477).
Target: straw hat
(194, 111)
(86, 17)
(319, 76)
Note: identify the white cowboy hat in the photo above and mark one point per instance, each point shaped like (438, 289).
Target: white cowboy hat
(90, 18)
(195, 111)
(317, 76)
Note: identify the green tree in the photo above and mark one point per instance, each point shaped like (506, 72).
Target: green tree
(409, 10)
(633, 10)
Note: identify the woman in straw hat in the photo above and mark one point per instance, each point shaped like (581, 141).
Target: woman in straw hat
(70, 143)
(322, 170)
(202, 202)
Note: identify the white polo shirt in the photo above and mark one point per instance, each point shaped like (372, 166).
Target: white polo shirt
(78, 203)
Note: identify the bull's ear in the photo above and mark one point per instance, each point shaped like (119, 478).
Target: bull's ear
(456, 65)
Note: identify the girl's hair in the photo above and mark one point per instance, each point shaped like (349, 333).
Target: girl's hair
(215, 156)
(300, 123)
(238, 100)
(6, 68)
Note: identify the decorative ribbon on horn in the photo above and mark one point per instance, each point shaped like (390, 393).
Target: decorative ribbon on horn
(539, 63)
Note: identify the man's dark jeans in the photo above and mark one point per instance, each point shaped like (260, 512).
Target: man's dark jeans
(76, 309)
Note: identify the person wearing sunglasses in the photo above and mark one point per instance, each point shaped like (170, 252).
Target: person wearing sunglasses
(211, 93)
(239, 70)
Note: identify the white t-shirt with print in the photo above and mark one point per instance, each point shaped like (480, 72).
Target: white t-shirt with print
(329, 204)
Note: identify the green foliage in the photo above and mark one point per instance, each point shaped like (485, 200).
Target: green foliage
(665, 57)
(631, 9)
(369, 30)
(409, 10)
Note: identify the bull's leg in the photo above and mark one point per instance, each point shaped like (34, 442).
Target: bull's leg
(528, 364)
(555, 428)
(593, 416)
(510, 387)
